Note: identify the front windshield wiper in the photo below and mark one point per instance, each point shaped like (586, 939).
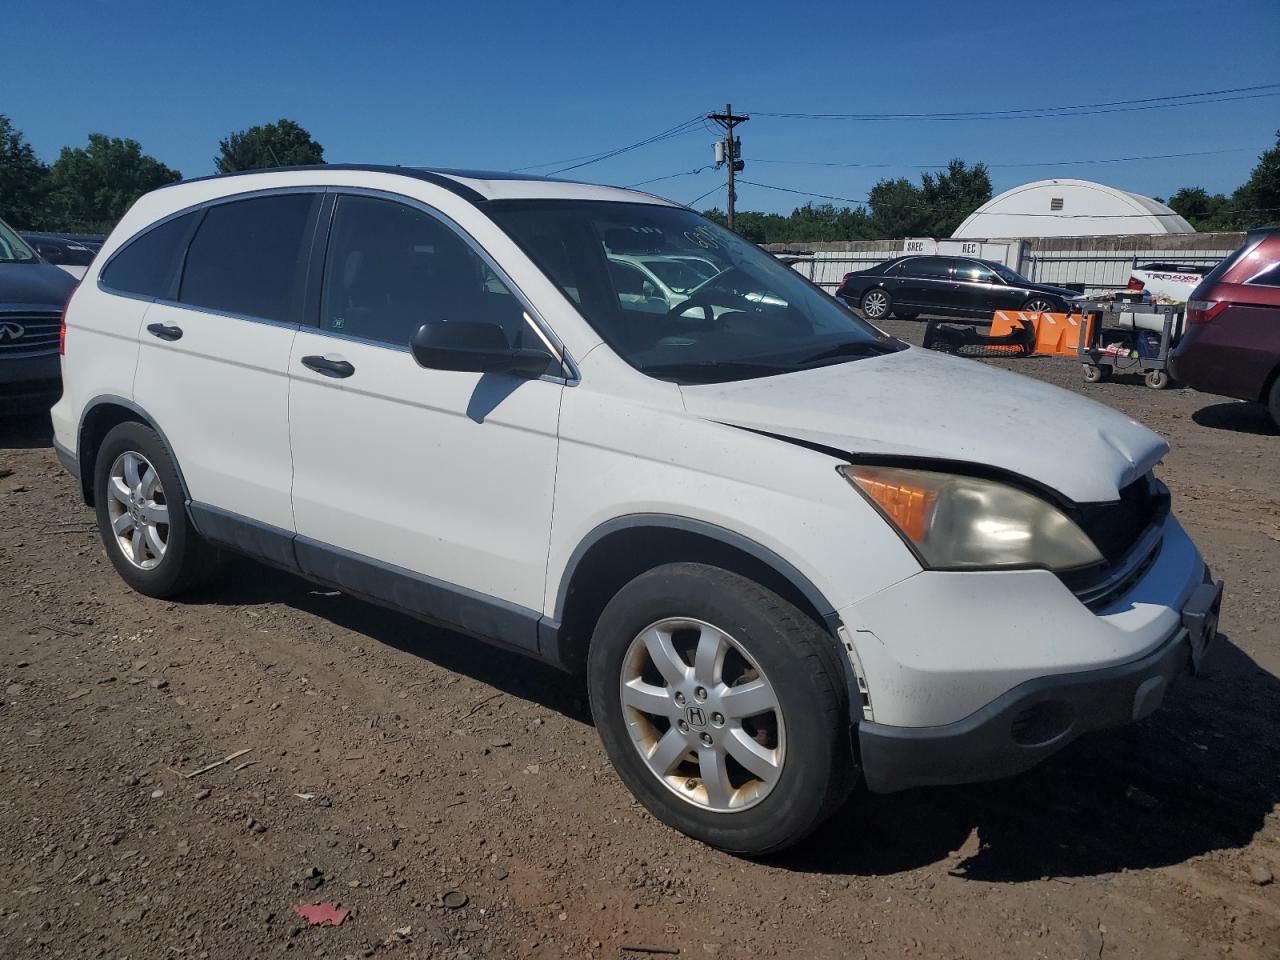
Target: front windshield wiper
(854, 348)
(715, 371)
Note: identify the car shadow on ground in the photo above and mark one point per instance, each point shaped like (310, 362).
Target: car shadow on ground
(26, 431)
(245, 582)
(1237, 416)
(1199, 775)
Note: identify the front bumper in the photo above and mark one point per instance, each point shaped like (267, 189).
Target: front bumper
(29, 383)
(1037, 718)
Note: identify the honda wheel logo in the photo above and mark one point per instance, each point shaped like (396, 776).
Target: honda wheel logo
(11, 331)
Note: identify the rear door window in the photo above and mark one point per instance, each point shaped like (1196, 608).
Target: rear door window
(148, 265)
(931, 268)
(249, 257)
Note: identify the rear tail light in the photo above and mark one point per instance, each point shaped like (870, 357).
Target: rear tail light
(1204, 311)
(1136, 284)
(62, 325)
(847, 276)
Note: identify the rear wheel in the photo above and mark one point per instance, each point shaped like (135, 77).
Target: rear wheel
(1157, 379)
(721, 706)
(876, 304)
(1093, 373)
(1273, 401)
(142, 516)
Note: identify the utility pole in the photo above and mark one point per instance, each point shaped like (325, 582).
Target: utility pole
(728, 151)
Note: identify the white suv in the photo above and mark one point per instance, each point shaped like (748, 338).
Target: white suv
(785, 549)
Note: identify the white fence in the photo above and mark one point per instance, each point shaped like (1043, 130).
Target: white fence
(1097, 264)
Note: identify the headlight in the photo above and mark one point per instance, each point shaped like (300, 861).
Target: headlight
(958, 522)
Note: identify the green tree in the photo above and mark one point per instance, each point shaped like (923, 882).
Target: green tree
(824, 221)
(24, 180)
(1203, 210)
(280, 144)
(897, 210)
(1257, 201)
(91, 187)
(952, 195)
(810, 223)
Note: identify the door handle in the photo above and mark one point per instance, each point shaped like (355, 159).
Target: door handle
(330, 368)
(164, 332)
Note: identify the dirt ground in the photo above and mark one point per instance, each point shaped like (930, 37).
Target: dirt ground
(389, 765)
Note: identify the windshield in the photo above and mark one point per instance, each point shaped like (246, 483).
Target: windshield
(1008, 273)
(12, 249)
(679, 275)
(723, 310)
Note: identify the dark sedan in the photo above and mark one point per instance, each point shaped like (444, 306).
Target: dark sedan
(951, 286)
(32, 294)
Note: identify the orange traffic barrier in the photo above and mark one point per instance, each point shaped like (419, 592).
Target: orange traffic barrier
(1056, 333)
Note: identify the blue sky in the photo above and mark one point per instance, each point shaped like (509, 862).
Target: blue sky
(506, 85)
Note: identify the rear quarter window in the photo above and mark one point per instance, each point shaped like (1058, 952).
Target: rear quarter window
(147, 266)
(1268, 276)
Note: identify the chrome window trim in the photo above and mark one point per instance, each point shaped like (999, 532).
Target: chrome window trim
(193, 208)
(211, 312)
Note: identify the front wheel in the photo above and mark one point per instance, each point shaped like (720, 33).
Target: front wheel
(876, 304)
(1273, 402)
(1038, 305)
(142, 516)
(1157, 379)
(722, 707)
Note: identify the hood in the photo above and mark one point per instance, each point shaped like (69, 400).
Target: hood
(34, 284)
(915, 403)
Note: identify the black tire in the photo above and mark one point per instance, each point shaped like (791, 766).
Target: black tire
(876, 304)
(187, 559)
(1273, 402)
(799, 662)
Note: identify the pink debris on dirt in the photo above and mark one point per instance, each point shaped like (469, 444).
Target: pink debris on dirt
(322, 914)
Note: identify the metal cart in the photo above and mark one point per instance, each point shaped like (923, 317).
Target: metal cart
(1102, 327)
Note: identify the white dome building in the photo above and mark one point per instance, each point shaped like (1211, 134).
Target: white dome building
(1069, 208)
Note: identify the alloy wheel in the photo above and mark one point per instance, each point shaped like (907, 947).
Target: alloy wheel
(138, 510)
(1038, 306)
(875, 304)
(702, 715)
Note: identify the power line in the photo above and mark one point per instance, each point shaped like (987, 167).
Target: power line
(1001, 213)
(671, 176)
(1072, 110)
(680, 129)
(701, 196)
(804, 193)
(1000, 166)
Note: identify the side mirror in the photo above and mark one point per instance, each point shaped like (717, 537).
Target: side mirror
(471, 347)
(51, 253)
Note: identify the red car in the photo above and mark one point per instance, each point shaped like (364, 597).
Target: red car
(1232, 341)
